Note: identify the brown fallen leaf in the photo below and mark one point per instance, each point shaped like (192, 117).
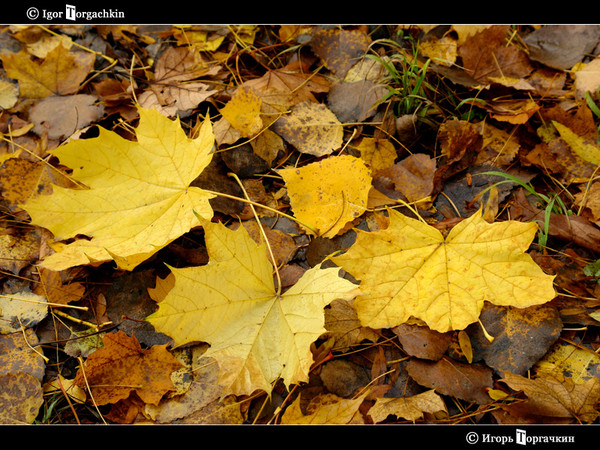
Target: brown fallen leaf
(573, 228)
(555, 396)
(342, 324)
(468, 382)
(325, 409)
(410, 408)
(17, 354)
(121, 366)
(173, 91)
(561, 46)
(486, 54)
(62, 116)
(422, 342)
(52, 288)
(410, 179)
(356, 101)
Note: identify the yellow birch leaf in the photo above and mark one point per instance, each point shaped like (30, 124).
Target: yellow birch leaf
(409, 408)
(60, 73)
(377, 153)
(255, 334)
(328, 194)
(411, 270)
(243, 112)
(138, 199)
(586, 151)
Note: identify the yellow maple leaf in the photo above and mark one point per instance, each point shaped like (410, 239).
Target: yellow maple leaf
(327, 194)
(255, 334)
(139, 197)
(60, 73)
(411, 270)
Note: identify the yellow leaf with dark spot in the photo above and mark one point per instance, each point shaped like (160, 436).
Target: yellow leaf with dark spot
(311, 128)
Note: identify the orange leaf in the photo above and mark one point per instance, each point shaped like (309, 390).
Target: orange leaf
(122, 367)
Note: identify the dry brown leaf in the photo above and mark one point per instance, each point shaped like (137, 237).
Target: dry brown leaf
(62, 116)
(555, 396)
(422, 342)
(449, 377)
(356, 101)
(343, 326)
(172, 90)
(121, 367)
(409, 408)
(326, 409)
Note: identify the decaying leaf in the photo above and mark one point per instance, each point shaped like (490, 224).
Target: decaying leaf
(137, 197)
(311, 128)
(521, 336)
(21, 397)
(255, 334)
(339, 49)
(411, 270)
(21, 310)
(328, 194)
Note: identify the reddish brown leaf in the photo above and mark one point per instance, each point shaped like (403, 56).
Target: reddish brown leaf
(122, 367)
(448, 377)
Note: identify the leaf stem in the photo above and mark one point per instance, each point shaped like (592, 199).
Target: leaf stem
(262, 231)
(268, 208)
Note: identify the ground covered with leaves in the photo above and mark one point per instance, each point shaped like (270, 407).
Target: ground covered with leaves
(299, 224)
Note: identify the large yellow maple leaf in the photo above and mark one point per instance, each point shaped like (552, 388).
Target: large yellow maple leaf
(410, 270)
(256, 334)
(138, 197)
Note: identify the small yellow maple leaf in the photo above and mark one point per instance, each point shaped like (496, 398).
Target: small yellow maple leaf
(60, 73)
(411, 270)
(139, 197)
(327, 194)
(255, 334)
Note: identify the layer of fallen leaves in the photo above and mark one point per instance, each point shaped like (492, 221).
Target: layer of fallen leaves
(240, 224)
